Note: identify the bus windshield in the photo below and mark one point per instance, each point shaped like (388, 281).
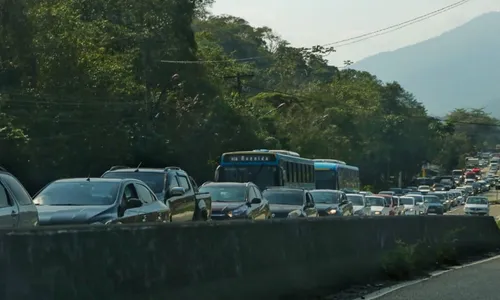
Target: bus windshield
(326, 180)
(263, 176)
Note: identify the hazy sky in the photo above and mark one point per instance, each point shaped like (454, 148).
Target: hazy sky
(316, 22)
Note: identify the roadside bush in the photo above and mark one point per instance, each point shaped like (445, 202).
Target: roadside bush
(400, 263)
(446, 251)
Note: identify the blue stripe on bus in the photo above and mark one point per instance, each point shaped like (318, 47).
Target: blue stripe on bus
(332, 166)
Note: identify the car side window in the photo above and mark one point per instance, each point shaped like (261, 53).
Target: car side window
(309, 199)
(251, 193)
(172, 181)
(257, 192)
(4, 198)
(184, 182)
(130, 192)
(144, 194)
(20, 193)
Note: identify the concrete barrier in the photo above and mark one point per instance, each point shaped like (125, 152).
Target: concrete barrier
(236, 260)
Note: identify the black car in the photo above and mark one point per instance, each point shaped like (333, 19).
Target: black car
(290, 202)
(99, 201)
(433, 205)
(173, 186)
(332, 203)
(235, 200)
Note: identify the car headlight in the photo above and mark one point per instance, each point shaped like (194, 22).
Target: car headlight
(331, 211)
(293, 214)
(97, 223)
(376, 213)
(237, 212)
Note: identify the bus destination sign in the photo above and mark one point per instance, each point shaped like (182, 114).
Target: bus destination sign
(249, 158)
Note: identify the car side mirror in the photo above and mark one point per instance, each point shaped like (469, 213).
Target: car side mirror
(177, 191)
(256, 201)
(133, 203)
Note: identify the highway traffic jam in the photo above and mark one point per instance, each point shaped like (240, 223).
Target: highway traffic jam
(256, 185)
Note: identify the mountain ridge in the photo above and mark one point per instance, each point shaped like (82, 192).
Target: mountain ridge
(459, 68)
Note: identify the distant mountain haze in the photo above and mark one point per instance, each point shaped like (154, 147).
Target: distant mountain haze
(458, 69)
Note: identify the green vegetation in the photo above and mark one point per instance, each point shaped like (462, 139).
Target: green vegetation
(89, 84)
(409, 260)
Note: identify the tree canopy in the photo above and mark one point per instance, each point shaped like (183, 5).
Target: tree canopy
(89, 84)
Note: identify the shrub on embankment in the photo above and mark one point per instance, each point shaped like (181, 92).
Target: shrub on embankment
(229, 260)
(409, 260)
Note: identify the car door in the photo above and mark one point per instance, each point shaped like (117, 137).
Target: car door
(254, 211)
(150, 211)
(182, 206)
(264, 210)
(129, 215)
(28, 214)
(9, 213)
(345, 205)
(309, 206)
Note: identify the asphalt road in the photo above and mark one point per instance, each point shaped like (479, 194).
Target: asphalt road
(477, 282)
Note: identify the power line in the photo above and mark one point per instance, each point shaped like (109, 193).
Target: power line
(398, 26)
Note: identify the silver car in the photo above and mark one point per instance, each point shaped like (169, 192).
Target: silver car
(16, 206)
(359, 205)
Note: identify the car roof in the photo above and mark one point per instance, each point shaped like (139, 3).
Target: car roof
(279, 188)
(128, 170)
(93, 179)
(243, 184)
(327, 191)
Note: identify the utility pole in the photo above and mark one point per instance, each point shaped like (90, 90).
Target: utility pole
(239, 77)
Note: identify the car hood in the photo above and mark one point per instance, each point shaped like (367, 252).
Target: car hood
(408, 206)
(326, 206)
(476, 206)
(377, 208)
(60, 215)
(226, 206)
(283, 208)
(434, 204)
(357, 207)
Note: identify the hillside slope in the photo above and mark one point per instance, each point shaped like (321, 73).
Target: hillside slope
(460, 68)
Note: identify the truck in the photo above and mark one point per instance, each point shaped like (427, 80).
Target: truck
(171, 185)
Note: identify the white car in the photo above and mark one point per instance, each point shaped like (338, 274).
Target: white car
(377, 205)
(477, 205)
(411, 207)
(359, 205)
(424, 188)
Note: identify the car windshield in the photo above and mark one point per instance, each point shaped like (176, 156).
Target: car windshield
(407, 200)
(387, 193)
(326, 197)
(284, 197)
(356, 199)
(78, 193)
(432, 199)
(154, 180)
(477, 200)
(225, 193)
(440, 196)
(418, 198)
(375, 201)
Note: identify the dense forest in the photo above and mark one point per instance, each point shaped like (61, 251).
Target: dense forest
(89, 84)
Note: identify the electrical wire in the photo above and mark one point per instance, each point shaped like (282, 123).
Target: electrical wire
(395, 27)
